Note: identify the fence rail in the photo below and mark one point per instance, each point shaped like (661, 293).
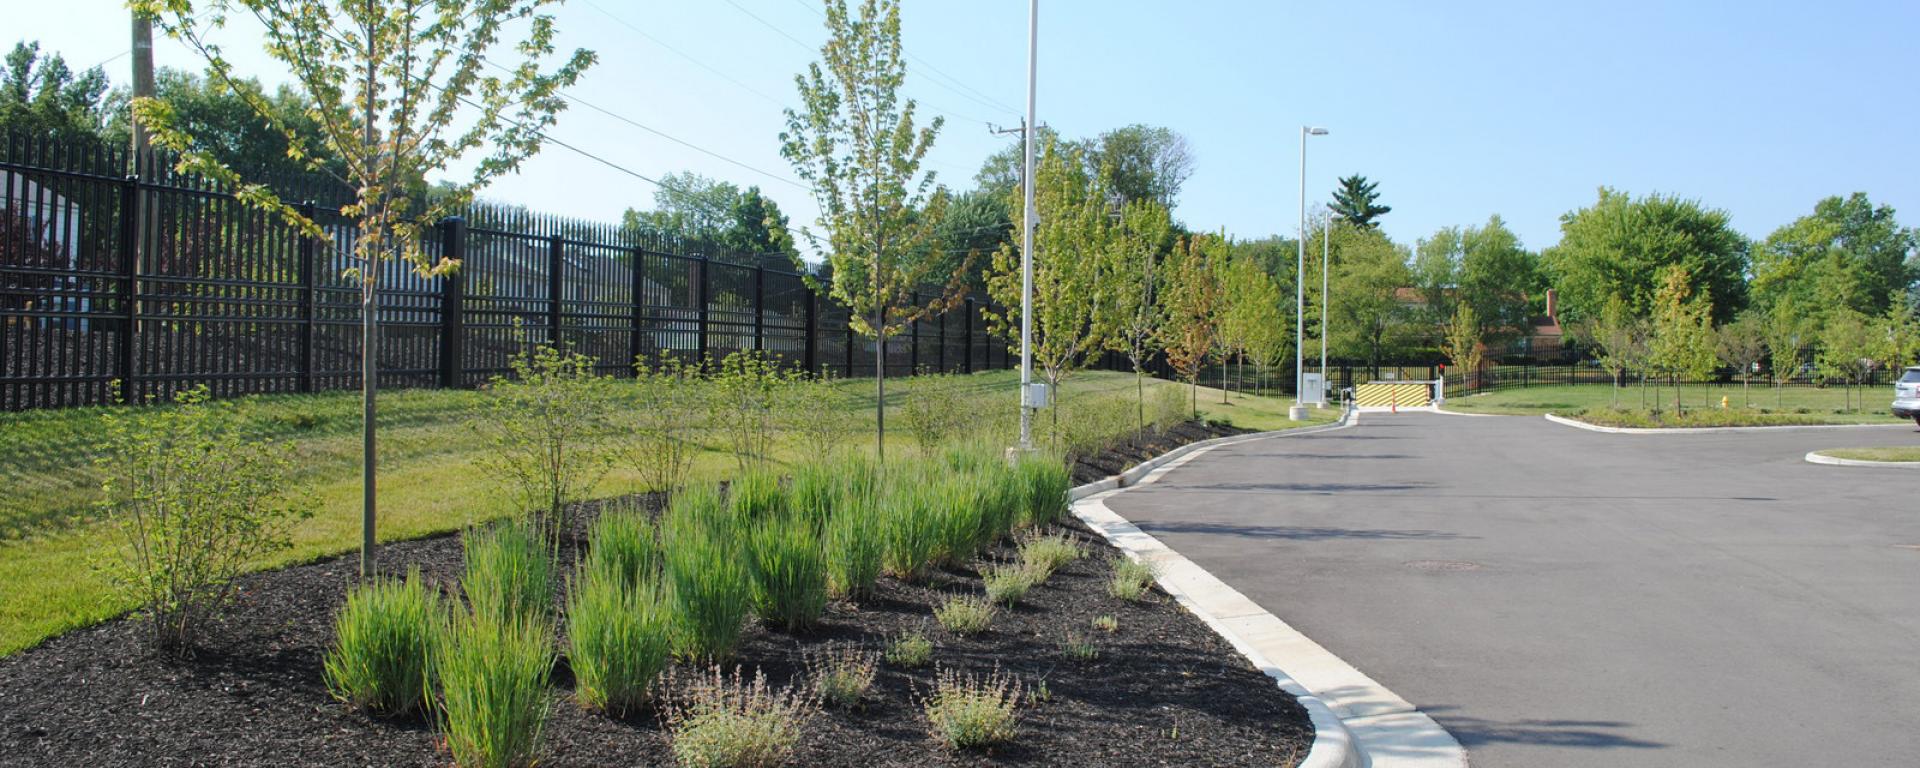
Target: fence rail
(117, 286)
(1523, 376)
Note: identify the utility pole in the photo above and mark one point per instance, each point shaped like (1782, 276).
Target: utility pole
(1298, 412)
(142, 83)
(1326, 298)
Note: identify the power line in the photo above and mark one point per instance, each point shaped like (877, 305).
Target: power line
(975, 93)
(682, 54)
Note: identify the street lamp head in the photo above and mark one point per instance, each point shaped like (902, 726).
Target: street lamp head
(1314, 131)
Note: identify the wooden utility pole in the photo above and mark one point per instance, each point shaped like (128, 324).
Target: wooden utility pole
(142, 83)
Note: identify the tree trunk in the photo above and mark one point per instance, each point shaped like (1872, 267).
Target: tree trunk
(879, 391)
(369, 388)
(1140, 394)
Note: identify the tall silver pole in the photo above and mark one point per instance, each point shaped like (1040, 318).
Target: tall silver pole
(1299, 412)
(1326, 251)
(1026, 235)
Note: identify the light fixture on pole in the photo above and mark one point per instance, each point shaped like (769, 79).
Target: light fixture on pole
(1028, 399)
(1299, 411)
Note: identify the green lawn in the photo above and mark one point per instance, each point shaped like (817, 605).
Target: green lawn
(50, 535)
(1796, 404)
(1887, 453)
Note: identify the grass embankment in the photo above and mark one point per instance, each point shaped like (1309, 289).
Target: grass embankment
(51, 537)
(1790, 406)
(1900, 453)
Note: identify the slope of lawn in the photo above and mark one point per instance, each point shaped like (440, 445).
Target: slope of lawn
(51, 536)
(1903, 453)
(1761, 405)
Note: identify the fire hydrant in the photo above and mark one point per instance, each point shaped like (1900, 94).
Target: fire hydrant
(1723, 402)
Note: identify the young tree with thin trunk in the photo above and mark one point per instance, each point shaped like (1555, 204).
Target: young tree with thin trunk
(1189, 308)
(400, 89)
(1462, 343)
(1073, 280)
(1251, 316)
(858, 144)
(1682, 342)
(1789, 332)
(1743, 344)
(1133, 256)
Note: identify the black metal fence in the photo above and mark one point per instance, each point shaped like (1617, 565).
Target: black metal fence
(1521, 376)
(130, 286)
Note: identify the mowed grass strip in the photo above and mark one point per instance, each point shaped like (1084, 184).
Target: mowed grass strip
(1899, 453)
(1762, 405)
(51, 535)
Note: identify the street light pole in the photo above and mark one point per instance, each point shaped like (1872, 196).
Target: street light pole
(1026, 236)
(1299, 411)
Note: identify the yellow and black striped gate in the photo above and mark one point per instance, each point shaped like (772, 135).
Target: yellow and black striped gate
(1385, 394)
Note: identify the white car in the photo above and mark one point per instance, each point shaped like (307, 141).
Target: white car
(1906, 395)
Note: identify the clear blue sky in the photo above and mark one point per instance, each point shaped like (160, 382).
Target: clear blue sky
(1458, 110)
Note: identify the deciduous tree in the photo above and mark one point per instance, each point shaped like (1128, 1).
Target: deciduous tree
(1622, 246)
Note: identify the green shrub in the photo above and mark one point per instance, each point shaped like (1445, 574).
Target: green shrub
(910, 526)
(509, 576)
(748, 397)
(1006, 584)
(964, 614)
(719, 721)
(1168, 407)
(196, 502)
(911, 650)
(384, 640)
(547, 425)
(1077, 647)
(623, 543)
(711, 585)
(1044, 554)
(822, 418)
(620, 636)
(1044, 483)
(841, 674)
(789, 572)
(1131, 578)
(666, 419)
(756, 495)
(493, 690)
(933, 411)
(853, 550)
(965, 712)
(1106, 623)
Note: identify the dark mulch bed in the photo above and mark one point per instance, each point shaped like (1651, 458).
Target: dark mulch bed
(1146, 445)
(1164, 691)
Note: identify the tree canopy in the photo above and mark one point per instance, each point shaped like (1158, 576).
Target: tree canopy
(1849, 253)
(743, 223)
(1358, 201)
(1622, 246)
(42, 97)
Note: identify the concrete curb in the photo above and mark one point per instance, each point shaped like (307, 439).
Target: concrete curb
(1362, 724)
(1577, 424)
(1816, 457)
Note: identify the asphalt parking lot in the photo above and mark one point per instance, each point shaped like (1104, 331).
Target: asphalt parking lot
(1557, 597)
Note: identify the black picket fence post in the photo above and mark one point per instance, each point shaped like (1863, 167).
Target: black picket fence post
(453, 296)
(759, 308)
(130, 212)
(556, 264)
(637, 312)
(309, 295)
(812, 347)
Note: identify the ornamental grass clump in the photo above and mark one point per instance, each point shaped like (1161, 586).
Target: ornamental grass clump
(729, 721)
(1006, 584)
(841, 674)
(384, 640)
(853, 547)
(509, 576)
(620, 636)
(706, 573)
(1131, 578)
(1044, 554)
(1044, 482)
(967, 712)
(623, 543)
(814, 493)
(960, 529)
(910, 525)
(493, 690)
(965, 614)
(1078, 647)
(789, 572)
(757, 495)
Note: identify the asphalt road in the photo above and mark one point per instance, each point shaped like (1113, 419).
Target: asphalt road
(1557, 597)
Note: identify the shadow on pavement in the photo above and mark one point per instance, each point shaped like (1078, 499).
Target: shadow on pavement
(1298, 533)
(1583, 734)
